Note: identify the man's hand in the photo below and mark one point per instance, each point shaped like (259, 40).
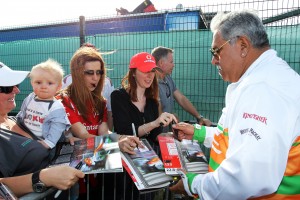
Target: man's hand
(178, 188)
(61, 176)
(185, 130)
(205, 122)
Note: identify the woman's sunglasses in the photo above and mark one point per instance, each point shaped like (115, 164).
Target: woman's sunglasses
(8, 89)
(92, 72)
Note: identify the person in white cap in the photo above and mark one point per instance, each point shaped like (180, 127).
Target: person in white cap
(23, 160)
(19, 154)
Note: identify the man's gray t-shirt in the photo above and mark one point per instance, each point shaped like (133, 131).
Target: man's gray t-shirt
(166, 90)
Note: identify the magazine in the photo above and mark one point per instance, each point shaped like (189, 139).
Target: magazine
(6, 193)
(92, 155)
(146, 168)
(185, 155)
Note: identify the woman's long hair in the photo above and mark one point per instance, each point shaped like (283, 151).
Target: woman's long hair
(78, 92)
(130, 85)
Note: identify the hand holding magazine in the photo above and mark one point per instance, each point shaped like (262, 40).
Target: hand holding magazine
(95, 155)
(185, 155)
(145, 168)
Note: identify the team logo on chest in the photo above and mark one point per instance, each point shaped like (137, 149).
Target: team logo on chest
(255, 117)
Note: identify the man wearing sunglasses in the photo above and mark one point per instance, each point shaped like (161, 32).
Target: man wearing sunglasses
(22, 159)
(8, 89)
(255, 150)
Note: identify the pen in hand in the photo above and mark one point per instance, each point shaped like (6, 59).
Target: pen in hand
(134, 133)
(78, 166)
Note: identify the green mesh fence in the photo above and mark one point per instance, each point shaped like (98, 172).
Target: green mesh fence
(194, 75)
(23, 55)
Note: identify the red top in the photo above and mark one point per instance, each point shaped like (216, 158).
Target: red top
(74, 116)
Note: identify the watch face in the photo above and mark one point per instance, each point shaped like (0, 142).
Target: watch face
(39, 187)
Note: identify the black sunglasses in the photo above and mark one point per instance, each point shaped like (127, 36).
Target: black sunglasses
(92, 72)
(7, 89)
(168, 90)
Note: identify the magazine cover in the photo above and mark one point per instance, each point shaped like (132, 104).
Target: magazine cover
(170, 155)
(146, 168)
(185, 155)
(92, 155)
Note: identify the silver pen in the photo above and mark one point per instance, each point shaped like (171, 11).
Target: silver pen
(78, 166)
(133, 129)
(134, 133)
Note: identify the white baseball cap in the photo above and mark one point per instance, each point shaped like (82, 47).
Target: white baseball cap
(9, 77)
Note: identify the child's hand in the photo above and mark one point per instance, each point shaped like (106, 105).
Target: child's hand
(71, 140)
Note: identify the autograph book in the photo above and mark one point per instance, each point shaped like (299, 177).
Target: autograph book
(145, 168)
(185, 155)
(92, 155)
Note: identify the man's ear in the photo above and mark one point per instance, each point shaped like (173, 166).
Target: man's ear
(159, 63)
(244, 45)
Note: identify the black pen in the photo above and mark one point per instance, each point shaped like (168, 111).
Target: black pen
(79, 165)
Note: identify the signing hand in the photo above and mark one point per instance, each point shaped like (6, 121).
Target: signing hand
(127, 144)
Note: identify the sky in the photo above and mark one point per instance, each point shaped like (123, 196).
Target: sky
(19, 13)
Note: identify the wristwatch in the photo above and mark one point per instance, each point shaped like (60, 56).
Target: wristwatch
(199, 119)
(37, 185)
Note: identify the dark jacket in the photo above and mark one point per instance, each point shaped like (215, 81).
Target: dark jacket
(125, 113)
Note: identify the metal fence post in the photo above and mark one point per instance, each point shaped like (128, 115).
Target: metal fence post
(82, 30)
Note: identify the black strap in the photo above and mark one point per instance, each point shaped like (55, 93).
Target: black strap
(24, 128)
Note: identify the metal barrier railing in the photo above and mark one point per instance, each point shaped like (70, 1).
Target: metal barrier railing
(119, 186)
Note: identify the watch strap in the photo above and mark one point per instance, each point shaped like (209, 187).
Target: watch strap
(37, 185)
(36, 177)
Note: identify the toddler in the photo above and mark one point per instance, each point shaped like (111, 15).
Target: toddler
(41, 112)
